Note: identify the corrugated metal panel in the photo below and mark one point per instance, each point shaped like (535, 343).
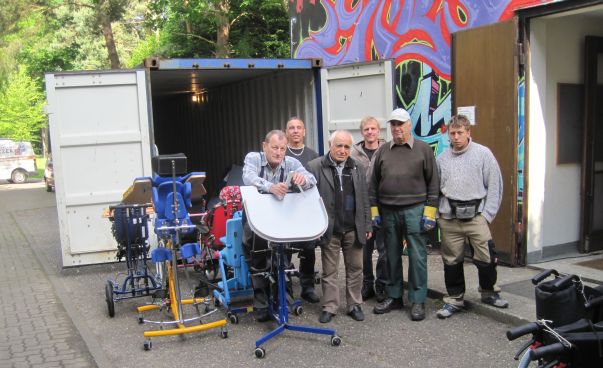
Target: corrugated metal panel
(233, 119)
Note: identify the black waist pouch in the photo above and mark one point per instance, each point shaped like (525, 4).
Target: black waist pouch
(464, 210)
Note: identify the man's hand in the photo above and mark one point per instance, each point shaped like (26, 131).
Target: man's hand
(428, 221)
(369, 235)
(298, 179)
(279, 190)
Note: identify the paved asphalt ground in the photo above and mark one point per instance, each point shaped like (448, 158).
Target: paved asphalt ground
(54, 317)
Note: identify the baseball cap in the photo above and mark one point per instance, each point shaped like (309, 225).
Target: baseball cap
(399, 115)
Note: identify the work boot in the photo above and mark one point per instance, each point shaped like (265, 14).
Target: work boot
(387, 305)
(309, 295)
(417, 312)
(367, 291)
(356, 313)
(325, 317)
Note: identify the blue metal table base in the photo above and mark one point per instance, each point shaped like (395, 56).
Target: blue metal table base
(281, 315)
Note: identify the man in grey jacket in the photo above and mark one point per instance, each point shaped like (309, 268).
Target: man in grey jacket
(363, 152)
(342, 186)
(471, 193)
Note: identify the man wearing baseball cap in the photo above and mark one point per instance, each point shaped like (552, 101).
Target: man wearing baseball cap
(403, 190)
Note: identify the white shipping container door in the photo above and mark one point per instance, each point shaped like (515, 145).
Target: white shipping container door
(99, 129)
(351, 92)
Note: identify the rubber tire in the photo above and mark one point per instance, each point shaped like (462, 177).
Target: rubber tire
(109, 299)
(148, 345)
(260, 353)
(298, 311)
(18, 176)
(335, 340)
(224, 334)
(233, 318)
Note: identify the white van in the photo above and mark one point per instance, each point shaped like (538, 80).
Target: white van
(17, 160)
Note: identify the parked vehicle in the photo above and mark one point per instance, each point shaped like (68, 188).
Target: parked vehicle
(49, 175)
(17, 161)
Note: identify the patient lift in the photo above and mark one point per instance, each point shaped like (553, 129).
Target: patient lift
(298, 217)
(171, 198)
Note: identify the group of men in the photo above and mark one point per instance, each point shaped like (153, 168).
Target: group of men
(384, 195)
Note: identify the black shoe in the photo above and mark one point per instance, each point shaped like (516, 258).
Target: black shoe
(387, 305)
(380, 293)
(325, 317)
(367, 291)
(310, 296)
(356, 313)
(417, 312)
(262, 315)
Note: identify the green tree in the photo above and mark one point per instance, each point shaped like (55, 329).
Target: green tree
(21, 108)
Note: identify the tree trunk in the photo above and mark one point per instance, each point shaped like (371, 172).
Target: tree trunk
(222, 49)
(109, 41)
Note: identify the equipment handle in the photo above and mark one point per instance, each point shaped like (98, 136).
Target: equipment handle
(522, 330)
(563, 282)
(543, 275)
(541, 352)
(594, 302)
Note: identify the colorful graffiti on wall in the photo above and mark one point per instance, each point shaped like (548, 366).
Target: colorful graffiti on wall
(414, 33)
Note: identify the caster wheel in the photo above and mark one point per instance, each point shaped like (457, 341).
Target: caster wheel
(298, 311)
(233, 318)
(224, 333)
(216, 302)
(260, 353)
(140, 319)
(109, 299)
(335, 340)
(147, 345)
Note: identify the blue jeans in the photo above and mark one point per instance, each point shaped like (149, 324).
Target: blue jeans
(399, 224)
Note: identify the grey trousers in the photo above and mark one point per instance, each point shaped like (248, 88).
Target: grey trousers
(352, 258)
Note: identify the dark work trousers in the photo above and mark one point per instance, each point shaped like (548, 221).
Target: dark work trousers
(376, 241)
(307, 258)
(399, 223)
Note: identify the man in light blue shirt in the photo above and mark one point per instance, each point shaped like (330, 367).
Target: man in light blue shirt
(268, 171)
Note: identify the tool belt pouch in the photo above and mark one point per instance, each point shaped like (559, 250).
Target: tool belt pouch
(464, 210)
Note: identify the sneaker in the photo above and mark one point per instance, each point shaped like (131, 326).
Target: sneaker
(380, 294)
(495, 301)
(447, 311)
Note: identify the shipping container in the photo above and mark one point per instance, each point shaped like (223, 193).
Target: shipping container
(104, 125)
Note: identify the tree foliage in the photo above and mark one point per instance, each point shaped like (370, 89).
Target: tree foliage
(22, 108)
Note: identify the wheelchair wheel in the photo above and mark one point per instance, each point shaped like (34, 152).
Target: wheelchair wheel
(109, 299)
(260, 352)
(298, 311)
(335, 340)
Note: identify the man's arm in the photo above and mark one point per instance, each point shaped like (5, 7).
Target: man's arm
(251, 171)
(294, 165)
(432, 178)
(494, 186)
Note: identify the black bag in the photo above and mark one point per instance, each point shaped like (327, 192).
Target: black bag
(464, 210)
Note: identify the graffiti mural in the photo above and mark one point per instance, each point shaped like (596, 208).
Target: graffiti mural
(414, 33)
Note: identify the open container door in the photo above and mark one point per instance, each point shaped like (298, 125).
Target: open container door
(485, 76)
(99, 128)
(352, 91)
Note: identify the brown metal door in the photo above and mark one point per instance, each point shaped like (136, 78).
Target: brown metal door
(592, 158)
(485, 75)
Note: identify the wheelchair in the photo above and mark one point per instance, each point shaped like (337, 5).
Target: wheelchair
(569, 330)
(171, 201)
(130, 230)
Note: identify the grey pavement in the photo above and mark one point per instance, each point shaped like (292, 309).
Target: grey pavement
(58, 317)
